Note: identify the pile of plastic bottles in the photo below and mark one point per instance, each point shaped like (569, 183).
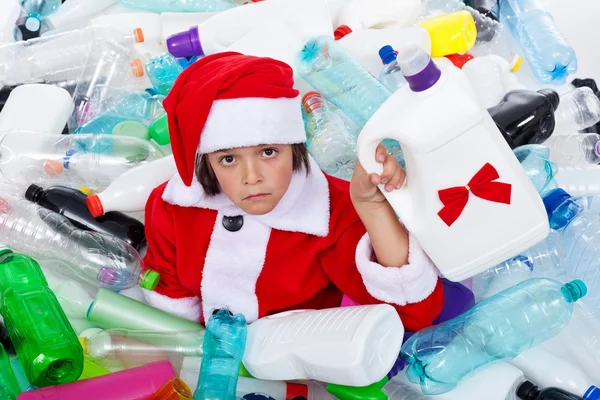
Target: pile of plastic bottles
(466, 95)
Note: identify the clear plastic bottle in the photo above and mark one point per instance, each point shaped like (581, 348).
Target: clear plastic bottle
(66, 159)
(90, 257)
(579, 109)
(109, 63)
(541, 171)
(9, 388)
(43, 338)
(549, 54)
(498, 328)
(36, 10)
(224, 345)
(329, 141)
(575, 149)
(326, 66)
(160, 6)
(390, 76)
(60, 55)
(578, 222)
(400, 391)
(579, 181)
(162, 71)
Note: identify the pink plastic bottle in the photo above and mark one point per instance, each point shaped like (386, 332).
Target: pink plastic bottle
(139, 383)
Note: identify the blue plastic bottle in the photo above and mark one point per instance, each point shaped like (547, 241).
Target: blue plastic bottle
(577, 219)
(162, 71)
(36, 10)
(224, 344)
(326, 66)
(549, 54)
(541, 171)
(390, 76)
(498, 328)
(160, 6)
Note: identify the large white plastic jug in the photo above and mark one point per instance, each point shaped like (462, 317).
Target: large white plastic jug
(466, 198)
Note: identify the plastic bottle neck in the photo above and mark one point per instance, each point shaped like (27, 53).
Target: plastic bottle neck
(425, 78)
(34, 193)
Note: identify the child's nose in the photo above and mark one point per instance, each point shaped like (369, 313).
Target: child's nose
(252, 174)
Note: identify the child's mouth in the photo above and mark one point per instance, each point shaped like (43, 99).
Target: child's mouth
(257, 196)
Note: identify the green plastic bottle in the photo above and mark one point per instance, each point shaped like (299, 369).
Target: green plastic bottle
(43, 338)
(9, 388)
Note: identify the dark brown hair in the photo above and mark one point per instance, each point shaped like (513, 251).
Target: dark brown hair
(210, 183)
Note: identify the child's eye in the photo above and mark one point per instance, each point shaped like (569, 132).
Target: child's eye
(269, 153)
(227, 160)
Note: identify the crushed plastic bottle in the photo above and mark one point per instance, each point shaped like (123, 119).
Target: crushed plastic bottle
(535, 159)
(181, 6)
(575, 149)
(579, 109)
(90, 257)
(162, 71)
(498, 328)
(36, 10)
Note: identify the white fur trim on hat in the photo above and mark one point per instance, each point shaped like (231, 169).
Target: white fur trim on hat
(410, 283)
(252, 121)
(187, 307)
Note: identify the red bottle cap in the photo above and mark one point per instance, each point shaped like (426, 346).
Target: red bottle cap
(460, 59)
(341, 31)
(94, 205)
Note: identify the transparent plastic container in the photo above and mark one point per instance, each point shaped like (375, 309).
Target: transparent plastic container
(59, 56)
(162, 71)
(160, 6)
(43, 338)
(575, 149)
(549, 54)
(328, 68)
(224, 345)
(93, 258)
(36, 10)
(578, 110)
(109, 64)
(329, 141)
(390, 76)
(579, 181)
(535, 159)
(67, 159)
(496, 329)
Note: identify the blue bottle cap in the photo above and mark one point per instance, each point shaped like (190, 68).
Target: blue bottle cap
(574, 290)
(593, 393)
(560, 209)
(387, 54)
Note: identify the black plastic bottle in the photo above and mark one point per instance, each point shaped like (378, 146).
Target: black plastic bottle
(71, 203)
(528, 391)
(526, 117)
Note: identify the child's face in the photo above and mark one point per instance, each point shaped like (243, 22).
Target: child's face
(254, 178)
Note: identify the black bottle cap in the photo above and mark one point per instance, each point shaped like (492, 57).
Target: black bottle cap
(527, 391)
(552, 96)
(33, 193)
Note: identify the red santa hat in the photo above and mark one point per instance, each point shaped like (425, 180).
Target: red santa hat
(229, 100)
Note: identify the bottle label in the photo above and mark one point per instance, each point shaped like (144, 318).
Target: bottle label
(67, 159)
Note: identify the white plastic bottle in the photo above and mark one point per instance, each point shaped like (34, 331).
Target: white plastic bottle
(579, 181)
(76, 11)
(498, 381)
(307, 18)
(491, 77)
(362, 45)
(130, 191)
(575, 149)
(356, 15)
(36, 108)
(451, 143)
(335, 345)
(548, 370)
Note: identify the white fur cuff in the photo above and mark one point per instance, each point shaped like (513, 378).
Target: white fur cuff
(410, 283)
(187, 307)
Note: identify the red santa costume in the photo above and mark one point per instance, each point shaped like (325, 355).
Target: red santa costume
(306, 253)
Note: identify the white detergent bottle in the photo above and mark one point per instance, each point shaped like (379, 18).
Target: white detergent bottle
(548, 370)
(307, 18)
(466, 198)
(358, 15)
(130, 191)
(354, 346)
(9, 13)
(363, 45)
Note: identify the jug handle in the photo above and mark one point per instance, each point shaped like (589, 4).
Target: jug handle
(366, 149)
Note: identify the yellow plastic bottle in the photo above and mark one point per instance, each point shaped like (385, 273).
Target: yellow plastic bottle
(451, 33)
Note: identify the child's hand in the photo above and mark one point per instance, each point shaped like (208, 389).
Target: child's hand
(363, 186)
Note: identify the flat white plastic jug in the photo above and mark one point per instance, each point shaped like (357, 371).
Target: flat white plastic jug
(335, 345)
(466, 197)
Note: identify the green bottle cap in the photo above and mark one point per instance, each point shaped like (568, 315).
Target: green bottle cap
(574, 290)
(371, 392)
(150, 279)
(132, 128)
(159, 131)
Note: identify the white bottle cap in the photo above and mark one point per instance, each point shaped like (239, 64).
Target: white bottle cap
(412, 59)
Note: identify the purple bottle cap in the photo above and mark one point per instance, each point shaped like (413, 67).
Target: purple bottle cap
(185, 44)
(597, 148)
(418, 68)
(107, 276)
